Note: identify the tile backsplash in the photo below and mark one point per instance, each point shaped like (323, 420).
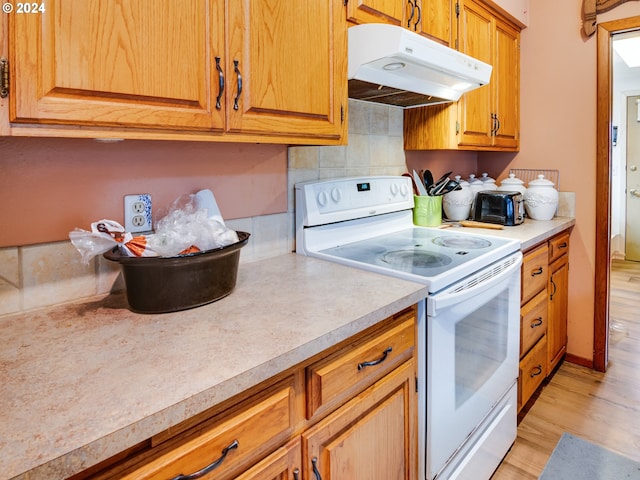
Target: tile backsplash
(42, 275)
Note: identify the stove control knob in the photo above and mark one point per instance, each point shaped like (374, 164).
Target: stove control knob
(336, 195)
(322, 198)
(404, 190)
(394, 189)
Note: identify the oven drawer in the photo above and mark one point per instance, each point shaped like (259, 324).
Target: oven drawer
(350, 370)
(533, 369)
(535, 266)
(533, 321)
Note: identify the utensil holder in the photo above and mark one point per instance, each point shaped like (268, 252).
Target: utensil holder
(427, 210)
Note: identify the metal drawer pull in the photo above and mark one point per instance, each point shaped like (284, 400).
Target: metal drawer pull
(537, 322)
(555, 288)
(537, 271)
(563, 245)
(536, 371)
(237, 70)
(375, 362)
(413, 10)
(415, 25)
(210, 467)
(314, 461)
(220, 83)
(296, 474)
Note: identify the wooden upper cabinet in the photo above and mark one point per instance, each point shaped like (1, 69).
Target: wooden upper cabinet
(431, 18)
(487, 118)
(292, 60)
(244, 70)
(110, 63)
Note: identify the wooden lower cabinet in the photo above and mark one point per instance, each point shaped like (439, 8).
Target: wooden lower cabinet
(372, 437)
(543, 313)
(349, 413)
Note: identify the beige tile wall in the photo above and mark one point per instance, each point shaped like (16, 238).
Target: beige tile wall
(37, 276)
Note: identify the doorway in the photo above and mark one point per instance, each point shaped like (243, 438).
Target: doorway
(632, 233)
(605, 33)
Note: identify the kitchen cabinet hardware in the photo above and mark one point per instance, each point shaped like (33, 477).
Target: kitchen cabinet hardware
(634, 192)
(4, 77)
(563, 245)
(375, 362)
(314, 462)
(555, 288)
(237, 70)
(419, 17)
(413, 11)
(537, 322)
(536, 371)
(212, 466)
(296, 474)
(220, 83)
(537, 271)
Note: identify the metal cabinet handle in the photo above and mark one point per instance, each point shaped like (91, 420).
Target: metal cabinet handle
(537, 271)
(220, 83)
(555, 288)
(314, 461)
(413, 11)
(563, 245)
(375, 362)
(497, 124)
(212, 466)
(296, 474)
(237, 70)
(536, 371)
(537, 322)
(634, 192)
(415, 25)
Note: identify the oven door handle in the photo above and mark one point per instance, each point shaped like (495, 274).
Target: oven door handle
(470, 287)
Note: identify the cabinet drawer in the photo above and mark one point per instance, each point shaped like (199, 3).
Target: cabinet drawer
(533, 321)
(533, 369)
(558, 246)
(535, 265)
(340, 376)
(247, 433)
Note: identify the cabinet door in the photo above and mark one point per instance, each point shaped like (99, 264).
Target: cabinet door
(379, 11)
(373, 436)
(475, 114)
(558, 302)
(283, 464)
(506, 81)
(111, 63)
(435, 20)
(287, 67)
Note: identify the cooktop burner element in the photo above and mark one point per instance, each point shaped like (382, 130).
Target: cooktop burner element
(462, 242)
(414, 260)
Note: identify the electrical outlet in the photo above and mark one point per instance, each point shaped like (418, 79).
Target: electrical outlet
(137, 213)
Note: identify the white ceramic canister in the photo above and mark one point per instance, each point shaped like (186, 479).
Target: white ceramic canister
(512, 184)
(488, 183)
(541, 199)
(457, 204)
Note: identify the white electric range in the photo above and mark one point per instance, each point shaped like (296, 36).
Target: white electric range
(468, 326)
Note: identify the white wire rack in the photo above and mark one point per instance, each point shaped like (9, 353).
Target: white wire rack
(526, 175)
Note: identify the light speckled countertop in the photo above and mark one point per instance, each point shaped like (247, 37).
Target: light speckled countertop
(82, 382)
(530, 232)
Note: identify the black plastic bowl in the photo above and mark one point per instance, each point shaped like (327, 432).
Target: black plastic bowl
(170, 284)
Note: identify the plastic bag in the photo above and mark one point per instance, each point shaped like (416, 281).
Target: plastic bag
(187, 227)
(104, 235)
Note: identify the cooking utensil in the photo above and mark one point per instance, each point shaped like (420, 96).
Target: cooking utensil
(427, 176)
(419, 184)
(474, 224)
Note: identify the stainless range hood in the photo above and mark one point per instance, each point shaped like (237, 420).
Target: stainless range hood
(395, 66)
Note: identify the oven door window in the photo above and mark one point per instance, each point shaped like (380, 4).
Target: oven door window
(481, 347)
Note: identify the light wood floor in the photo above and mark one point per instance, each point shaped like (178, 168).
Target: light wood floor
(602, 408)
